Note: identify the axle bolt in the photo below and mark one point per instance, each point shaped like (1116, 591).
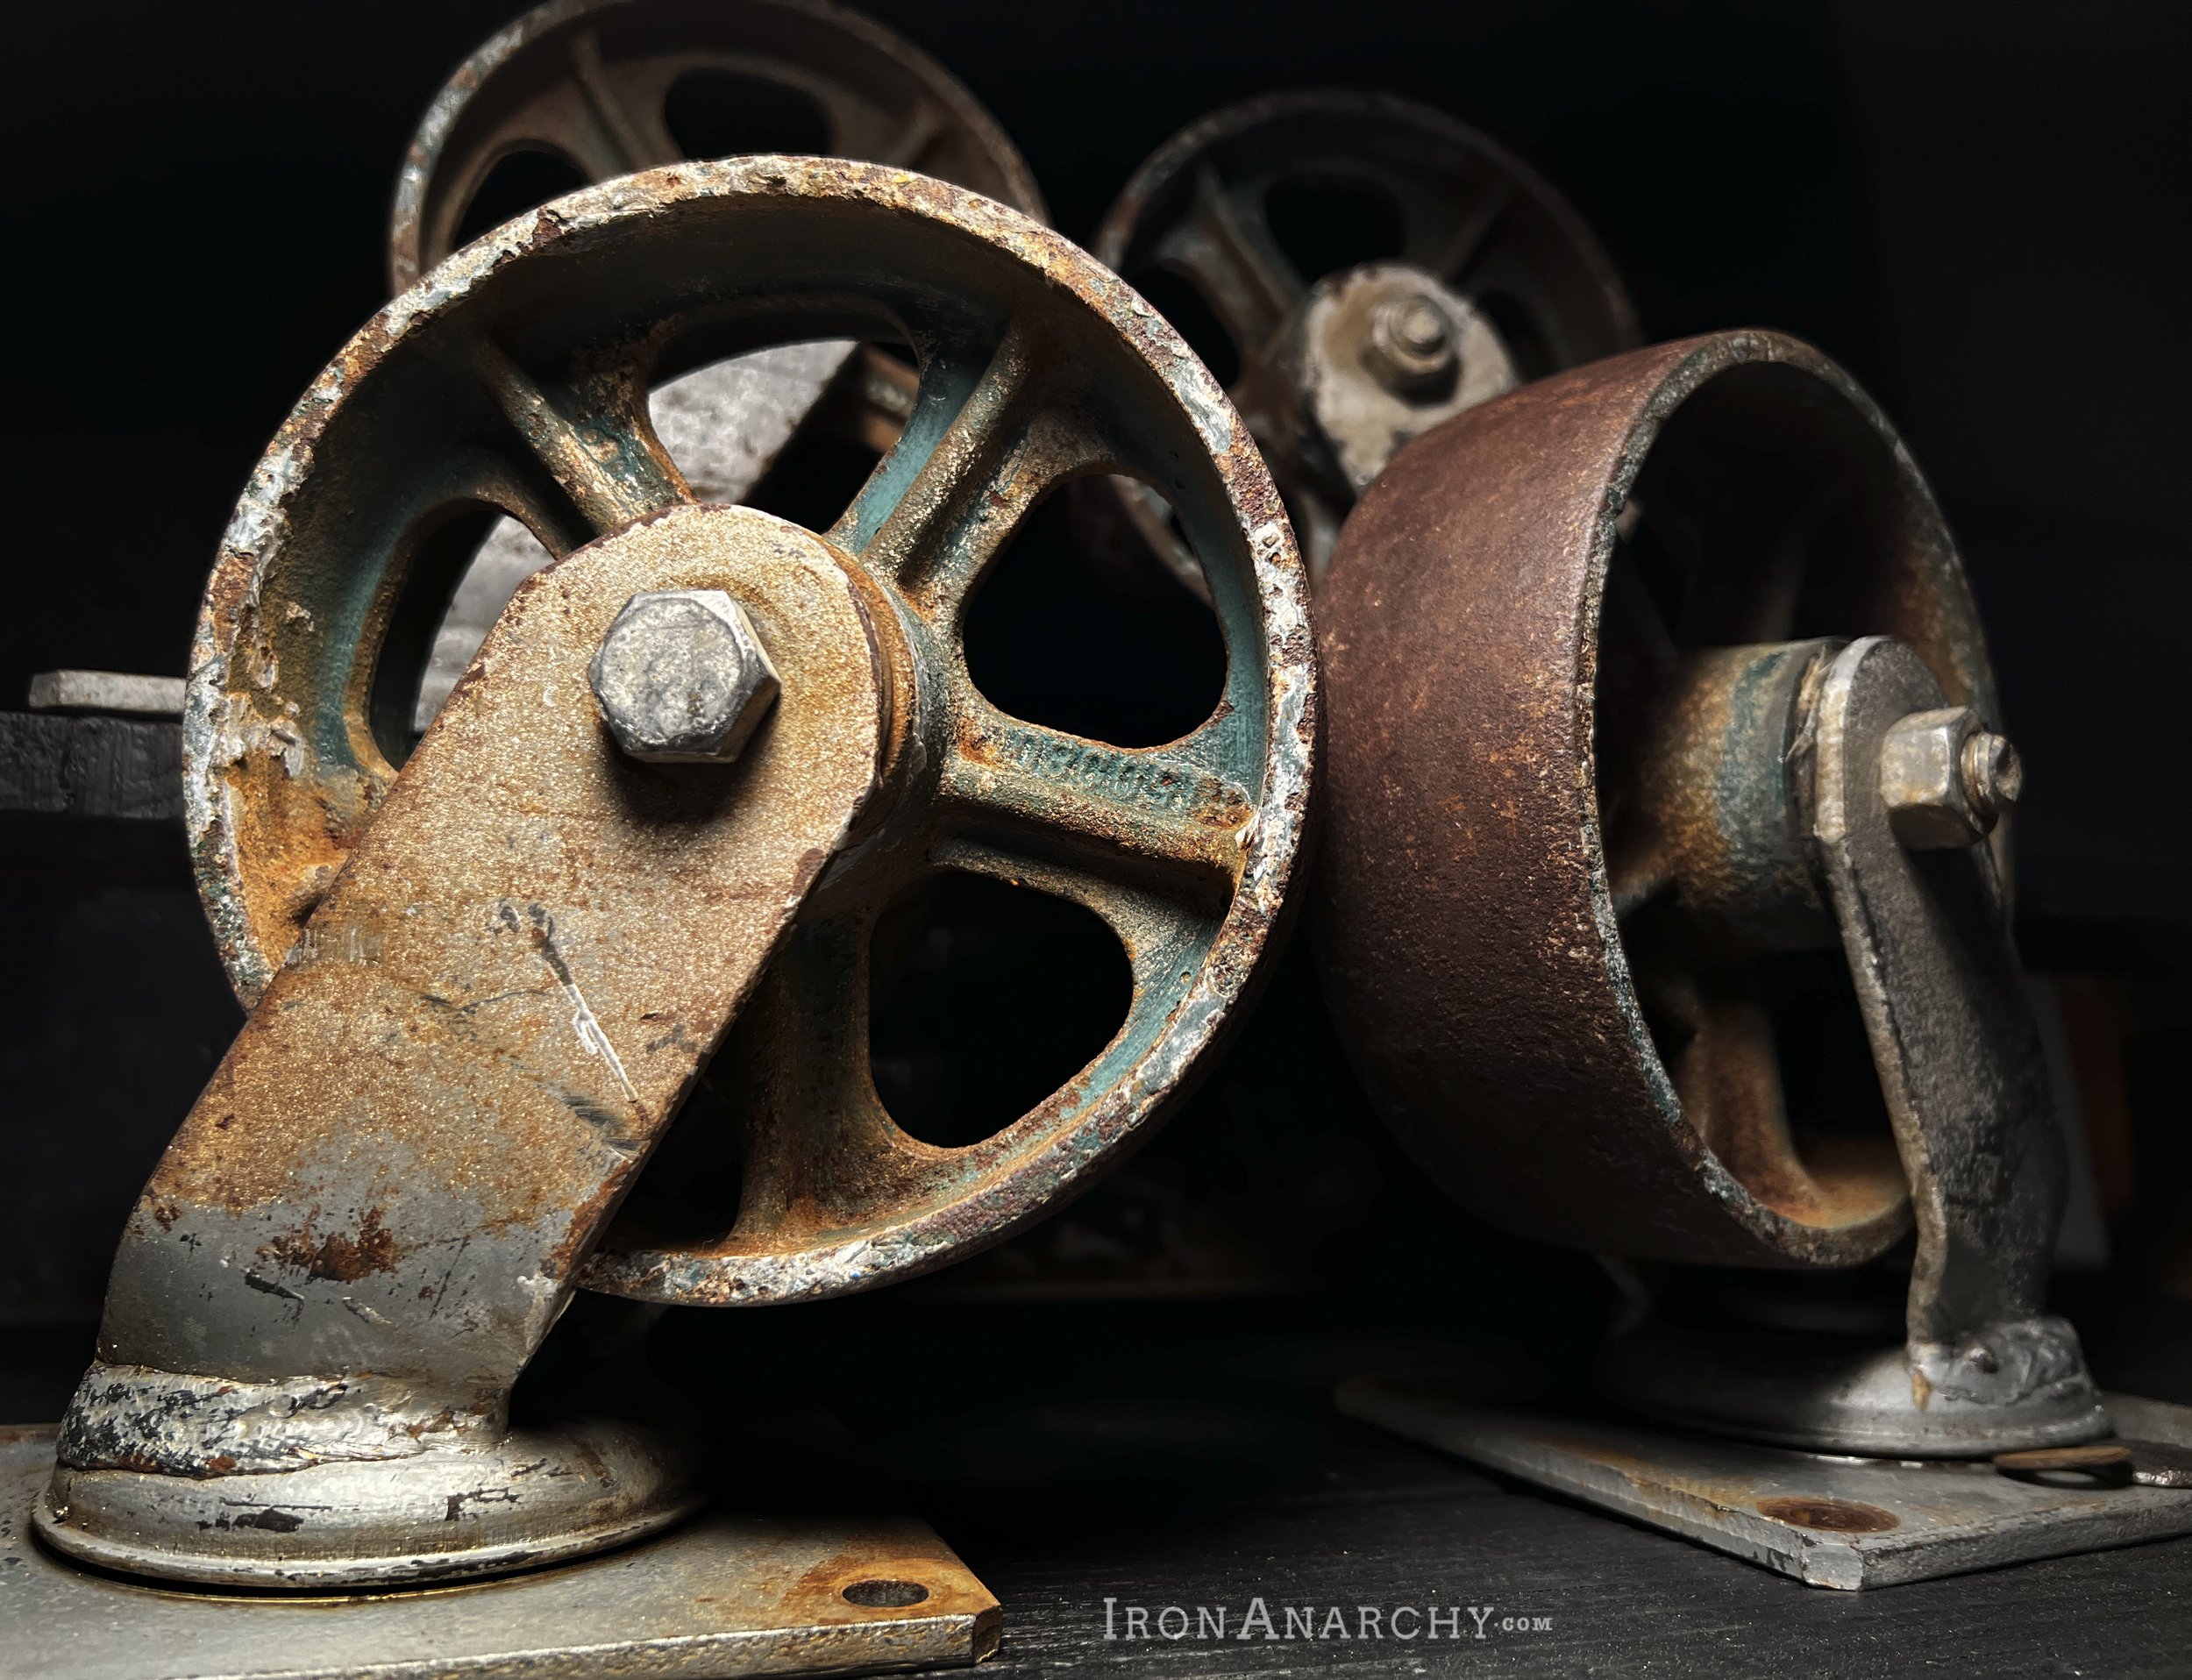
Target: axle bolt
(1947, 780)
(681, 678)
(1411, 346)
(1994, 775)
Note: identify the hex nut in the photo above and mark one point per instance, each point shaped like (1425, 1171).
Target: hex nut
(1994, 774)
(1946, 780)
(1410, 346)
(682, 678)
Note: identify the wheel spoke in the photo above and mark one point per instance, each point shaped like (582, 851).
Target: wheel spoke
(819, 1141)
(617, 139)
(1165, 937)
(964, 474)
(882, 391)
(1729, 1080)
(1764, 599)
(910, 144)
(1635, 631)
(726, 424)
(1638, 658)
(1636, 876)
(1152, 817)
(1228, 254)
(1460, 251)
(594, 438)
(823, 1153)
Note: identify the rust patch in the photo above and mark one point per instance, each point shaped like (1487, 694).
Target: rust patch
(1472, 637)
(1829, 1516)
(890, 1570)
(1215, 826)
(2100, 1456)
(340, 1257)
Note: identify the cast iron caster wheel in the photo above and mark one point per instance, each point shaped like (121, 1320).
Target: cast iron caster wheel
(1667, 907)
(1262, 209)
(528, 944)
(1628, 1044)
(515, 383)
(588, 90)
(585, 90)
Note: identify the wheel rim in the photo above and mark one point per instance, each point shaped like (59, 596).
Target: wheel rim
(1038, 366)
(588, 81)
(1536, 1074)
(1467, 212)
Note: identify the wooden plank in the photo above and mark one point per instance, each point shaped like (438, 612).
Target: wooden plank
(1621, 1599)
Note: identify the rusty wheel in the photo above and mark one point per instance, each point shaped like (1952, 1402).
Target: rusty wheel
(584, 90)
(513, 384)
(1582, 957)
(1274, 212)
(588, 89)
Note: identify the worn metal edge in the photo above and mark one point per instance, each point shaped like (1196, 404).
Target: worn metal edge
(1274, 844)
(1696, 363)
(406, 212)
(955, 1639)
(1114, 233)
(1491, 1437)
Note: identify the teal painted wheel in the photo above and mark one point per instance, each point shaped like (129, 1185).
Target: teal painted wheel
(512, 380)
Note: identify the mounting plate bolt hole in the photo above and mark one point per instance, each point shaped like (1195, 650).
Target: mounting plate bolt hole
(884, 1595)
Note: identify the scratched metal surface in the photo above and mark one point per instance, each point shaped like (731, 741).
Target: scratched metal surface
(378, 1208)
(1038, 366)
(723, 1596)
(1828, 1522)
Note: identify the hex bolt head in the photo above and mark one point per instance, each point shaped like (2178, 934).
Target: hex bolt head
(1945, 779)
(1411, 345)
(681, 678)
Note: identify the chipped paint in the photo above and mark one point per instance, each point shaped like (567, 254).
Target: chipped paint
(523, 88)
(1246, 843)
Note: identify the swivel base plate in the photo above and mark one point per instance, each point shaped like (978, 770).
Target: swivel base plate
(719, 1596)
(1828, 1520)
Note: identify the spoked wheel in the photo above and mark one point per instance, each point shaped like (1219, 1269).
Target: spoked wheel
(1566, 762)
(517, 386)
(485, 985)
(585, 90)
(1233, 223)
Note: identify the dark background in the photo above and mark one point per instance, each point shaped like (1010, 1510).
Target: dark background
(1981, 211)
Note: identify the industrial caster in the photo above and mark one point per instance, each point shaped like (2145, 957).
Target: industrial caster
(1360, 269)
(578, 92)
(1665, 910)
(691, 765)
